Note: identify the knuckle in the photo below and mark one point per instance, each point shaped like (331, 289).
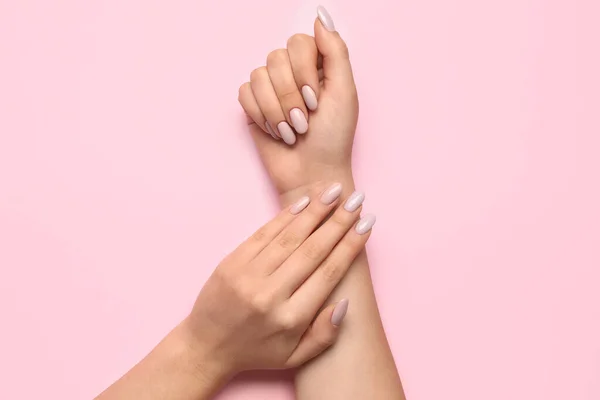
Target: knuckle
(288, 240)
(258, 73)
(260, 235)
(277, 57)
(288, 321)
(261, 303)
(311, 251)
(331, 270)
(244, 93)
(298, 39)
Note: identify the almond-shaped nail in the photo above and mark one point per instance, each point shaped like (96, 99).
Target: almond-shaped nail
(354, 201)
(365, 224)
(271, 131)
(310, 98)
(299, 120)
(331, 194)
(339, 312)
(325, 18)
(300, 205)
(286, 132)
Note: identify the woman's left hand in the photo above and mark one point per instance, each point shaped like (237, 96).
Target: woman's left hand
(261, 308)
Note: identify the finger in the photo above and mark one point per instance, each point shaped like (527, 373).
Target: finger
(320, 335)
(314, 291)
(303, 54)
(304, 261)
(250, 106)
(290, 238)
(262, 237)
(336, 59)
(290, 99)
(267, 100)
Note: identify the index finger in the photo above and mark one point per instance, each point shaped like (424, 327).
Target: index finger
(309, 297)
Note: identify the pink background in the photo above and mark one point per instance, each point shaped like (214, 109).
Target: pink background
(126, 174)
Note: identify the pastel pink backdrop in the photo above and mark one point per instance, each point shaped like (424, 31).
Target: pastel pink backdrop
(126, 174)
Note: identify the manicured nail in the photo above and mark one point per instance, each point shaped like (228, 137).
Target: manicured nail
(325, 19)
(271, 131)
(339, 312)
(300, 205)
(331, 194)
(354, 201)
(365, 224)
(286, 132)
(299, 120)
(310, 98)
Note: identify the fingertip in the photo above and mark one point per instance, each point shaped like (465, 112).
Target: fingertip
(365, 224)
(310, 97)
(325, 19)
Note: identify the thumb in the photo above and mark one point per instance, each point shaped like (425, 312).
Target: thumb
(337, 70)
(320, 335)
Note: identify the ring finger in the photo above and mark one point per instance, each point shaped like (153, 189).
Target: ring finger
(267, 100)
(282, 78)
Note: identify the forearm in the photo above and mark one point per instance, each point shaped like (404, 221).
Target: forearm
(173, 370)
(360, 365)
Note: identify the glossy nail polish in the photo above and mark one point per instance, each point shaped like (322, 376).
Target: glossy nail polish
(354, 201)
(286, 132)
(365, 224)
(325, 18)
(331, 194)
(300, 205)
(339, 312)
(299, 120)
(310, 98)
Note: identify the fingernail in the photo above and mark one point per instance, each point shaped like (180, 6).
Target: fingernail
(271, 131)
(300, 205)
(310, 98)
(365, 224)
(299, 120)
(339, 312)
(331, 194)
(354, 201)
(286, 132)
(325, 19)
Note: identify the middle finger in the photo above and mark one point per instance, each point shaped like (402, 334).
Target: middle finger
(282, 78)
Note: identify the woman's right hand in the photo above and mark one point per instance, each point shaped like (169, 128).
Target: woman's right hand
(257, 310)
(309, 86)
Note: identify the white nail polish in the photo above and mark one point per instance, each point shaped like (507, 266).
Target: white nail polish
(354, 201)
(365, 224)
(310, 98)
(299, 120)
(300, 205)
(286, 132)
(325, 18)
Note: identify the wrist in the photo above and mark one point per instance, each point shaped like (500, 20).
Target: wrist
(342, 175)
(201, 363)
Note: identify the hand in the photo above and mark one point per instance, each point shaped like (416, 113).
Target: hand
(286, 93)
(257, 310)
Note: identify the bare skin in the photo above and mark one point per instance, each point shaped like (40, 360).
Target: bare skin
(262, 308)
(360, 365)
